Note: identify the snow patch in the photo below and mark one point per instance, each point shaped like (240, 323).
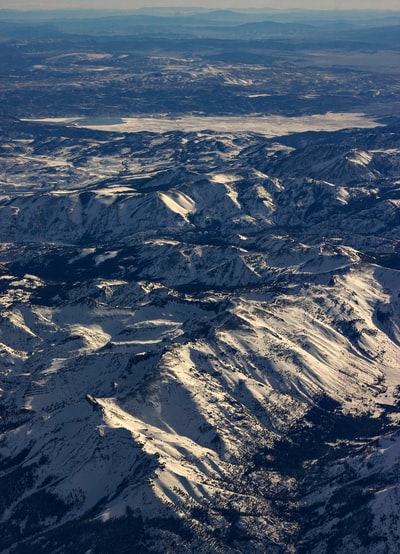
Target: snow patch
(179, 203)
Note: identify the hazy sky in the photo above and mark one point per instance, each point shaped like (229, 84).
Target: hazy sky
(133, 4)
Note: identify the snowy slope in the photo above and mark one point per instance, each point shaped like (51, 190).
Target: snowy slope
(200, 339)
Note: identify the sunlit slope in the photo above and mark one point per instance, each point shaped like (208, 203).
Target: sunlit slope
(202, 353)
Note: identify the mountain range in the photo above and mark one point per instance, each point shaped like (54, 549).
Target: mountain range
(199, 276)
(199, 346)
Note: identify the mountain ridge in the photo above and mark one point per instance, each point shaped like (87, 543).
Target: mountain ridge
(199, 352)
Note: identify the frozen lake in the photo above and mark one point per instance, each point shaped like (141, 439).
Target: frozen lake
(270, 125)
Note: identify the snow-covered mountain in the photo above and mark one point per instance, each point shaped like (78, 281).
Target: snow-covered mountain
(200, 337)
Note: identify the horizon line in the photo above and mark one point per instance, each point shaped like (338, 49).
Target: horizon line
(187, 8)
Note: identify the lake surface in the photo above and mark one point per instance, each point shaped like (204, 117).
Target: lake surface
(267, 125)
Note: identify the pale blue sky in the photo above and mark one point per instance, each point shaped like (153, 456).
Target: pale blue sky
(133, 4)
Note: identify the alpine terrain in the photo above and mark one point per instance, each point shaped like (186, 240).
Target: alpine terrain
(200, 283)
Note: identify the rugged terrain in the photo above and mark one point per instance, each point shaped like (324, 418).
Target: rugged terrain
(200, 330)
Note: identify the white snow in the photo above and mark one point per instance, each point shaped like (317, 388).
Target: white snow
(101, 258)
(270, 126)
(178, 202)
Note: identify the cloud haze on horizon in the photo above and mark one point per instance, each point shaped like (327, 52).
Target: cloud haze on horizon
(211, 4)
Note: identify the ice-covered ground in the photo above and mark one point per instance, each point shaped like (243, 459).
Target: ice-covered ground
(196, 331)
(269, 126)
